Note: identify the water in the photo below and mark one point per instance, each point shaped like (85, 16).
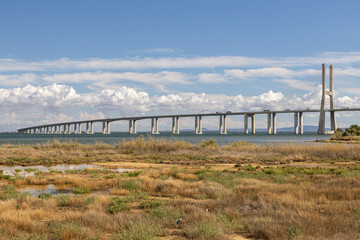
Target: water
(32, 170)
(115, 138)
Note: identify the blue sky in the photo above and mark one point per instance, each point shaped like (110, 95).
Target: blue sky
(65, 60)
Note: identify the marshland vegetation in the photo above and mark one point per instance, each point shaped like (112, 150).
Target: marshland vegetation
(177, 190)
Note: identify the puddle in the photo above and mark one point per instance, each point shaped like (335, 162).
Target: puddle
(49, 189)
(36, 190)
(32, 170)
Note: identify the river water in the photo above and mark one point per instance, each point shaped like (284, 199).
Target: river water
(115, 138)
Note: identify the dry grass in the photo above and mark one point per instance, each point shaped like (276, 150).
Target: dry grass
(264, 202)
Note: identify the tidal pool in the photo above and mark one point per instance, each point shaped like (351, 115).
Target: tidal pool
(32, 170)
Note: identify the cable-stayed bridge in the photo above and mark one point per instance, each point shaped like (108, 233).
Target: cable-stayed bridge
(76, 126)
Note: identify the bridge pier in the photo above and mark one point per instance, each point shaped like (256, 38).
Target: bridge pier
(155, 125)
(274, 123)
(296, 123)
(246, 127)
(92, 127)
(177, 125)
(87, 127)
(132, 126)
(173, 125)
(107, 127)
(301, 122)
(198, 125)
(253, 124)
(152, 126)
(75, 128)
(103, 127)
(269, 123)
(222, 124)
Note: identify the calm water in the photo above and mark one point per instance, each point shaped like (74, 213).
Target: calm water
(115, 138)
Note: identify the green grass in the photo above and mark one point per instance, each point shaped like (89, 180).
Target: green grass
(9, 192)
(149, 204)
(131, 185)
(118, 204)
(140, 231)
(81, 190)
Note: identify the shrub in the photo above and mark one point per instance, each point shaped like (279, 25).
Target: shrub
(130, 185)
(140, 231)
(81, 190)
(45, 195)
(149, 204)
(211, 143)
(118, 205)
(63, 200)
(353, 130)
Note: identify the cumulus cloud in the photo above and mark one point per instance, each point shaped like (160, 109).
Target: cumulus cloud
(52, 96)
(33, 105)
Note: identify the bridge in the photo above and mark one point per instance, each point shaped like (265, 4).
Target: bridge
(66, 127)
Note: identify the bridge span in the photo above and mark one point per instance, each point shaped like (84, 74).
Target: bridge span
(76, 126)
(65, 127)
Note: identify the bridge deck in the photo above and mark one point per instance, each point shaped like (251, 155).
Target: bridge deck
(189, 115)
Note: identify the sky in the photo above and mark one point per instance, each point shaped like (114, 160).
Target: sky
(85, 59)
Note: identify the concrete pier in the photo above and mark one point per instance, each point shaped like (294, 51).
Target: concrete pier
(177, 125)
(152, 125)
(296, 123)
(321, 127)
(253, 124)
(79, 129)
(173, 125)
(333, 123)
(134, 127)
(222, 124)
(92, 127)
(87, 128)
(246, 124)
(269, 123)
(156, 125)
(107, 127)
(69, 128)
(130, 126)
(75, 128)
(103, 127)
(274, 123)
(198, 125)
(301, 122)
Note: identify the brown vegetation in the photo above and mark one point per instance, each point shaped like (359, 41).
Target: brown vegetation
(197, 196)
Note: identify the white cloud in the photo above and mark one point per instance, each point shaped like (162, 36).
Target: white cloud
(159, 50)
(211, 78)
(17, 79)
(355, 91)
(340, 59)
(106, 79)
(298, 84)
(32, 105)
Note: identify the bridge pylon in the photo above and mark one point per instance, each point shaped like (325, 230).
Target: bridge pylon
(330, 93)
